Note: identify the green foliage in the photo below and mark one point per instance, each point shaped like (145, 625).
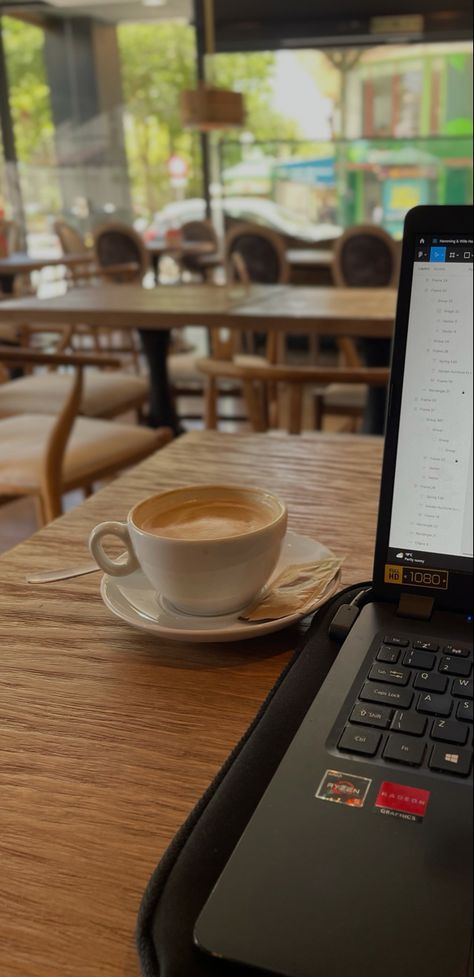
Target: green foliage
(29, 92)
(158, 63)
(458, 127)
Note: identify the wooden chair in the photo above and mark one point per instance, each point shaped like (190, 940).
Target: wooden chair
(44, 456)
(197, 232)
(365, 256)
(118, 244)
(106, 394)
(70, 240)
(259, 382)
(262, 251)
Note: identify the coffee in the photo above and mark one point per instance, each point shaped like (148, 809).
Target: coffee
(207, 519)
(206, 549)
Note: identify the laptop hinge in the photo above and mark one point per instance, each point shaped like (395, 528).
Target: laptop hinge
(415, 606)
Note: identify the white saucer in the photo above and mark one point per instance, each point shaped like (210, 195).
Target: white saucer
(134, 601)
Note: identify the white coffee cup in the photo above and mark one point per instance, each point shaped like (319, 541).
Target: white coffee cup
(208, 550)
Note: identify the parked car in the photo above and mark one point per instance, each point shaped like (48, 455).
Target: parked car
(296, 230)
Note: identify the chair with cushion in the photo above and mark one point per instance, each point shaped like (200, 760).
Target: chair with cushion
(259, 383)
(44, 455)
(106, 393)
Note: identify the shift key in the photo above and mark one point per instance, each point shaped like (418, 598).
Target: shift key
(399, 698)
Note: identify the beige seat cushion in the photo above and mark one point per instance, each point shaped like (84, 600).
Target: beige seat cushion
(93, 447)
(350, 395)
(182, 369)
(105, 394)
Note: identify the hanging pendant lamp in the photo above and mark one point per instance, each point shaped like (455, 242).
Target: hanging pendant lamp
(206, 107)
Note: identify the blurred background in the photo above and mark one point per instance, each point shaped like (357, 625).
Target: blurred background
(347, 122)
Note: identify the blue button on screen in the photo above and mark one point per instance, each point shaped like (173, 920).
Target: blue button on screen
(438, 254)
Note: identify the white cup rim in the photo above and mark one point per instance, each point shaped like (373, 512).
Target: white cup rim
(255, 491)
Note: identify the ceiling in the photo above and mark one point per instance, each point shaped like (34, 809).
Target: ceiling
(110, 11)
(245, 25)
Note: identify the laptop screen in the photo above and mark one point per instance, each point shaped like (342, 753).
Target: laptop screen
(432, 523)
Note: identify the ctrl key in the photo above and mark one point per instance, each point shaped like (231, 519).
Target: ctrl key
(364, 741)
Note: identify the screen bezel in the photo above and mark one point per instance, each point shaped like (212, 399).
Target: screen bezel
(419, 221)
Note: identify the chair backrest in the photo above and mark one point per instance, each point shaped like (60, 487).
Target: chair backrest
(261, 250)
(9, 237)
(70, 240)
(119, 244)
(200, 231)
(365, 256)
(259, 384)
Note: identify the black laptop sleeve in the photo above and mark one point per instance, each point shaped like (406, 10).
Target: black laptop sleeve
(192, 865)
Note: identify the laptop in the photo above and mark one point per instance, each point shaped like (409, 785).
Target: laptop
(358, 860)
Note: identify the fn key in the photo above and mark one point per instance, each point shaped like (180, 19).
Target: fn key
(364, 741)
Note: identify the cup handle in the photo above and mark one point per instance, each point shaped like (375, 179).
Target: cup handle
(113, 567)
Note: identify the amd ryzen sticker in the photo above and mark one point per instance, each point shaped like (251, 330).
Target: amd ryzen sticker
(343, 788)
(405, 803)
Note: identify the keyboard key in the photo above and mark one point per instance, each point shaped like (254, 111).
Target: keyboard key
(431, 682)
(451, 760)
(455, 666)
(465, 711)
(463, 688)
(426, 646)
(399, 698)
(405, 749)
(448, 731)
(364, 741)
(391, 674)
(366, 715)
(420, 659)
(389, 655)
(435, 705)
(396, 641)
(458, 651)
(409, 722)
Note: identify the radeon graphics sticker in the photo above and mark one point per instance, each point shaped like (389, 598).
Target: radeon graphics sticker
(403, 803)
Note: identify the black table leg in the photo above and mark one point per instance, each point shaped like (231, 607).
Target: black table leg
(376, 352)
(155, 344)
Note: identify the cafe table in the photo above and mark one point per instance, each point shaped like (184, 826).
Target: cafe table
(110, 736)
(20, 263)
(360, 312)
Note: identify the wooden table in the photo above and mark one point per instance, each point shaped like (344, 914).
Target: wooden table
(311, 266)
(24, 264)
(311, 258)
(323, 311)
(108, 736)
(183, 249)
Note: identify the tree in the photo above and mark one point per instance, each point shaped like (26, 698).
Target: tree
(158, 63)
(29, 92)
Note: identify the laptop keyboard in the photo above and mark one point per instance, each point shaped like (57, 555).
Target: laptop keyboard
(415, 707)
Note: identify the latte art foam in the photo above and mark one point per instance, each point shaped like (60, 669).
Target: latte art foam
(210, 519)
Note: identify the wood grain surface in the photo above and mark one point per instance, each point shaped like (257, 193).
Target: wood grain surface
(108, 735)
(327, 311)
